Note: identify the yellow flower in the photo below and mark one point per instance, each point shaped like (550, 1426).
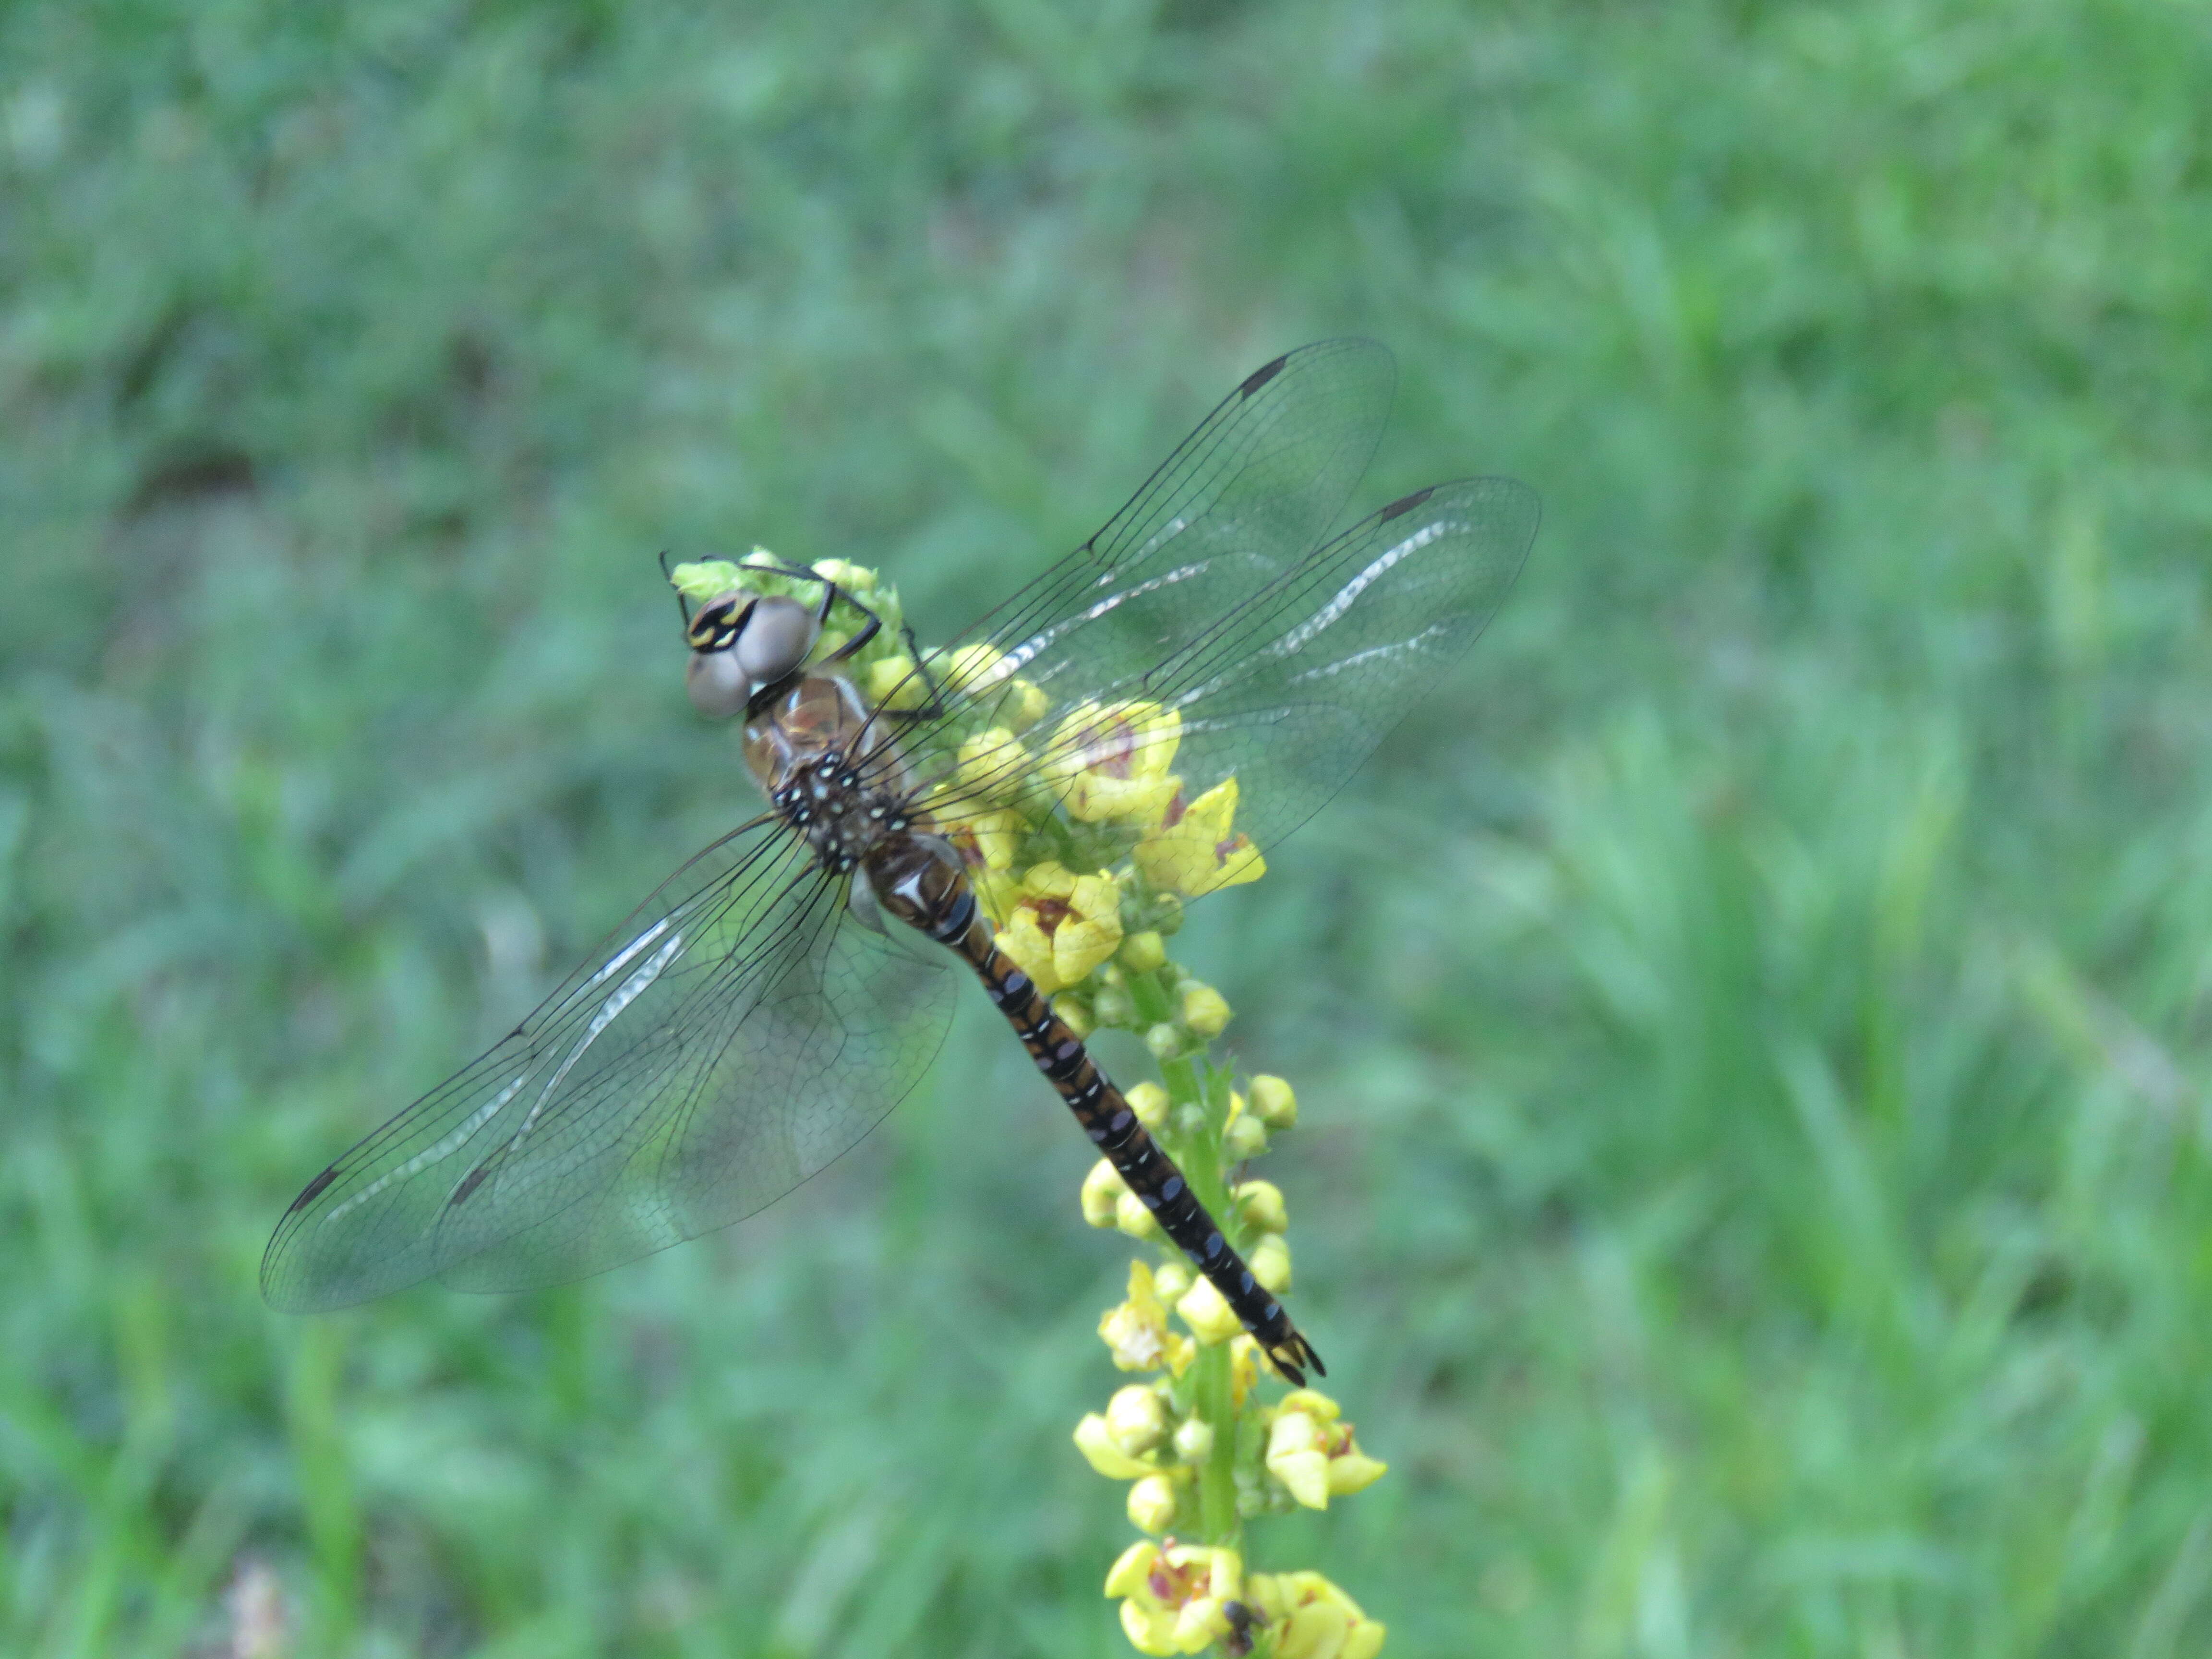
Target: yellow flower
(1173, 1595)
(1208, 1314)
(1203, 1009)
(1274, 1102)
(1095, 1440)
(1111, 761)
(1152, 1504)
(1195, 850)
(1136, 1419)
(1136, 1331)
(1150, 1102)
(1312, 1619)
(1102, 1189)
(1313, 1453)
(986, 840)
(1260, 1204)
(992, 766)
(1062, 925)
(1270, 1263)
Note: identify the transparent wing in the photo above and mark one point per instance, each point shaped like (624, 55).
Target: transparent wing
(1242, 499)
(1291, 686)
(739, 1034)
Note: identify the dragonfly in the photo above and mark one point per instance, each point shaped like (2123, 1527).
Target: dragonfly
(777, 996)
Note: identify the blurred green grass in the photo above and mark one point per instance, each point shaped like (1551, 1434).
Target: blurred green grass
(1755, 1184)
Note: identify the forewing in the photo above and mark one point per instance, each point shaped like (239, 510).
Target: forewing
(1289, 689)
(1240, 501)
(738, 1033)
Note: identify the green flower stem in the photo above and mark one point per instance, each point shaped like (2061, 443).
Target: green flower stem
(1189, 1084)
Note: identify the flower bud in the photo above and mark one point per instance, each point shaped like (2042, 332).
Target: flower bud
(1102, 1189)
(1273, 1102)
(1245, 1137)
(1166, 1042)
(1112, 1007)
(1171, 1280)
(1270, 1262)
(1131, 1216)
(1152, 1504)
(1193, 1440)
(1208, 1314)
(1150, 1102)
(1075, 1016)
(1136, 1419)
(1203, 1009)
(1143, 952)
(1260, 1204)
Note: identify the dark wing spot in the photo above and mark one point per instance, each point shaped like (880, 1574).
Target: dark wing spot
(470, 1182)
(1405, 504)
(1260, 377)
(315, 1188)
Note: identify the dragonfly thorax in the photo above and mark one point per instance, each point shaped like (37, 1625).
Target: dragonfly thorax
(809, 748)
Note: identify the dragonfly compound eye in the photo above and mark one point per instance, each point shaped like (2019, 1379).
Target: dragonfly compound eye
(717, 683)
(776, 639)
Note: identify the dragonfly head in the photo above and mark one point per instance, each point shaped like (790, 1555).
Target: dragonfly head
(741, 642)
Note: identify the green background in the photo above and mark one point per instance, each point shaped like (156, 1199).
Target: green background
(1750, 1022)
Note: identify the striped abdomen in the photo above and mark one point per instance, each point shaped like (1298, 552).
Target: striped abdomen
(1107, 1118)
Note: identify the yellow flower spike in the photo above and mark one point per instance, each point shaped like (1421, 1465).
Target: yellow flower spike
(1136, 1419)
(1270, 1263)
(1295, 1457)
(1150, 1102)
(1203, 1009)
(1274, 1102)
(1152, 1504)
(1171, 1278)
(1143, 952)
(1208, 1314)
(892, 683)
(1136, 1331)
(1102, 1189)
(1095, 1440)
(1113, 761)
(1193, 1440)
(1195, 851)
(1260, 1204)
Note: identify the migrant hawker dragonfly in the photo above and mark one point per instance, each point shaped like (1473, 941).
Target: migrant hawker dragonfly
(1170, 700)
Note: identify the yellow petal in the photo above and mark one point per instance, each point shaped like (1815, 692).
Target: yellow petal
(1152, 1504)
(1316, 1630)
(1353, 1472)
(1136, 1419)
(1102, 1188)
(1364, 1640)
(1208, 1314)
(1151, 1630)
(1028, 946)
(1306, 1474)
(1096, 1442)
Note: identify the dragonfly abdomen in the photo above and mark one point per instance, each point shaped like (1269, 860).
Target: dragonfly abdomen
(921, 882)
